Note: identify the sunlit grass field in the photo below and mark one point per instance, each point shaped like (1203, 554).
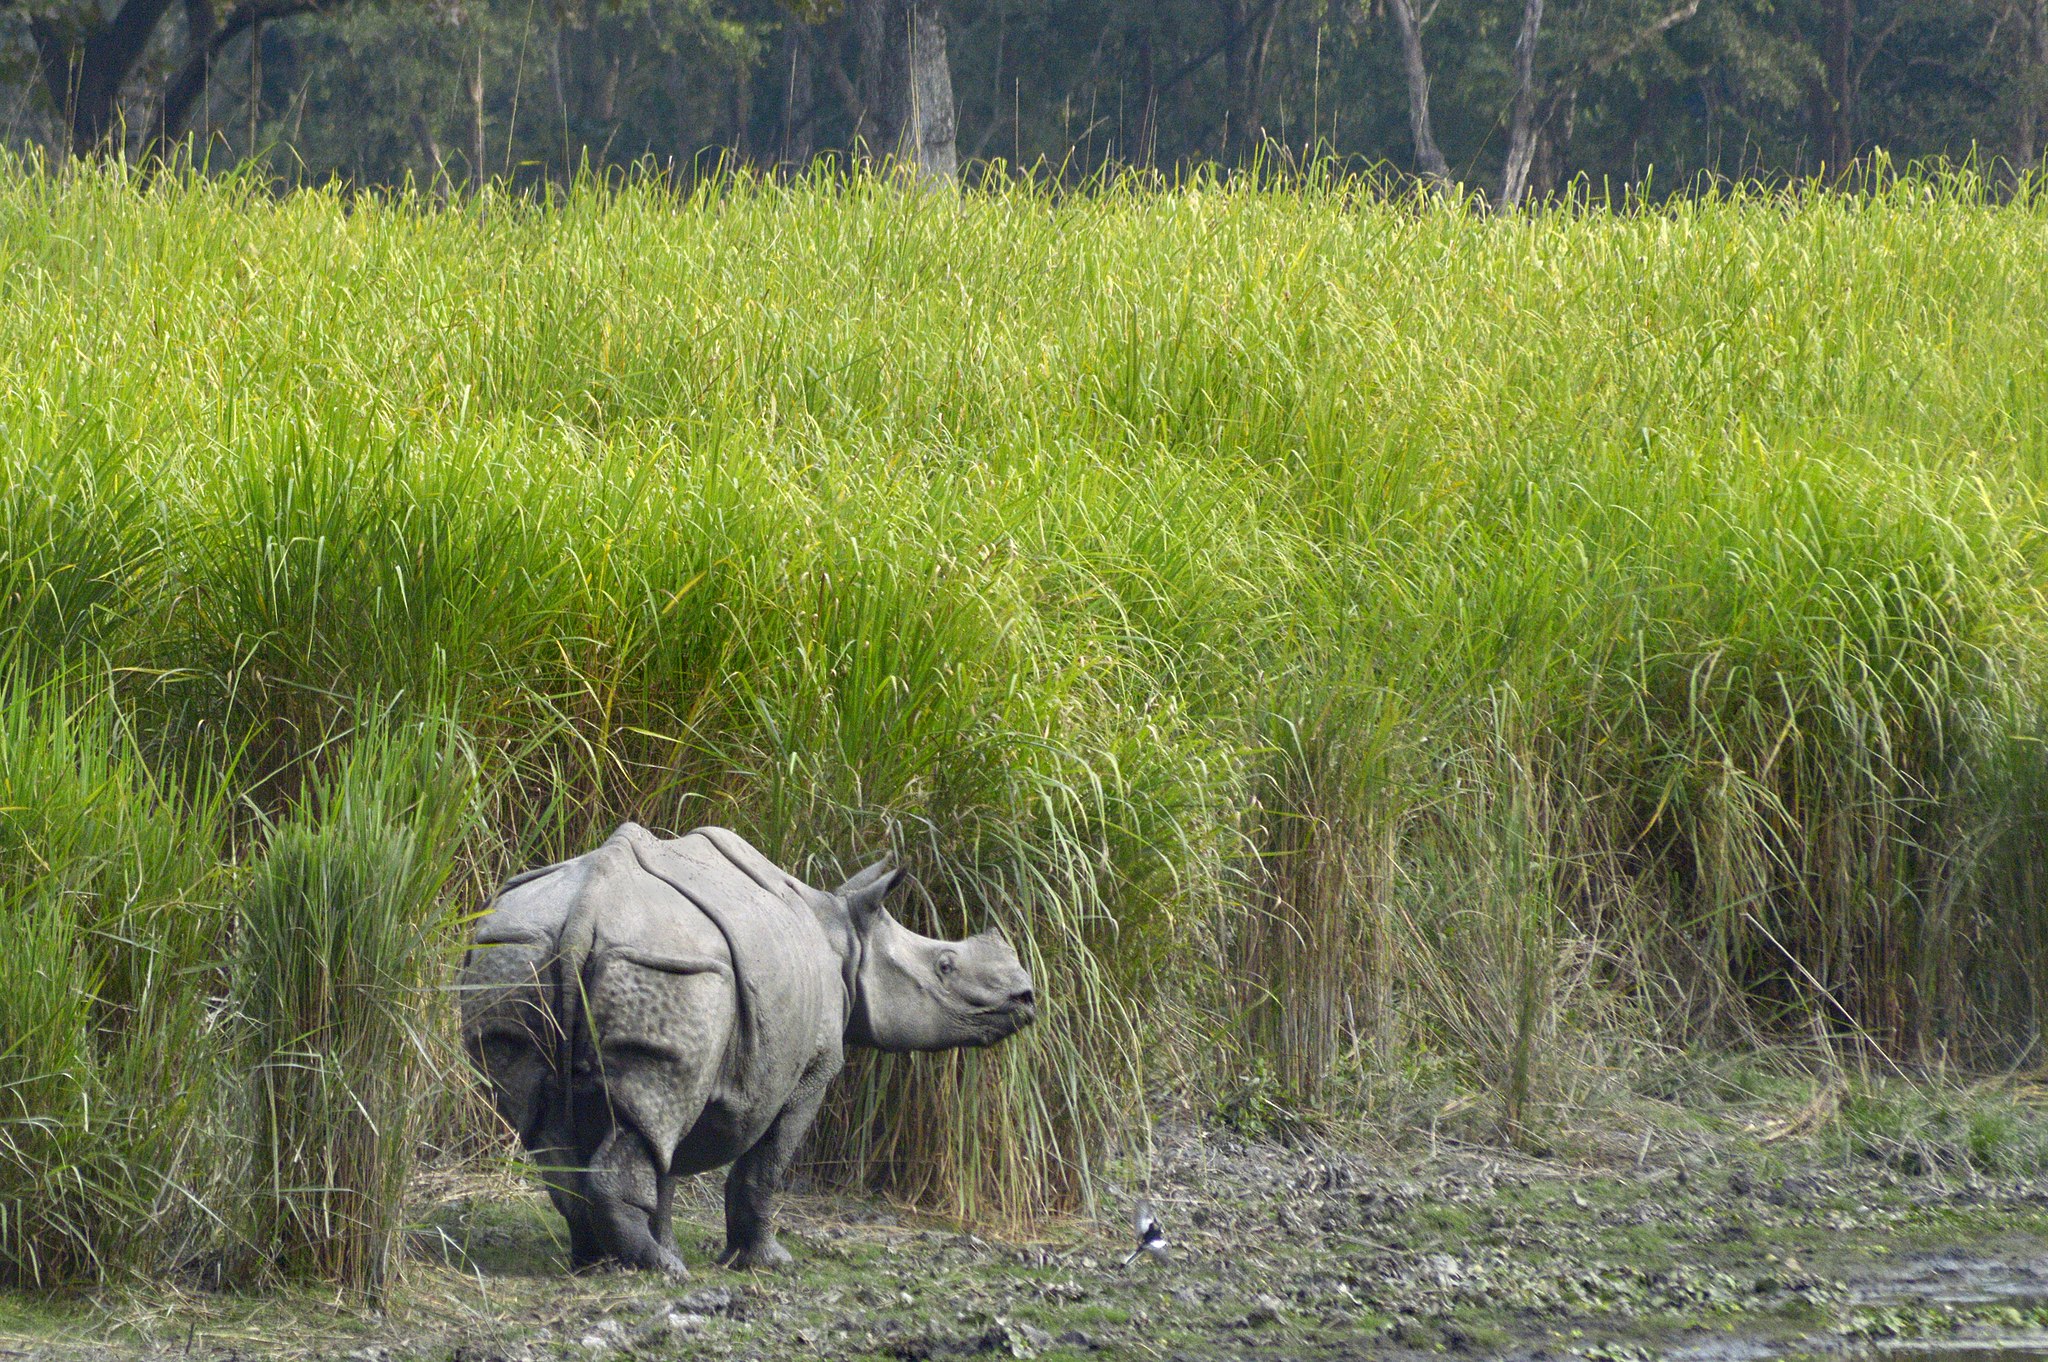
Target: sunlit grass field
(1355, 647)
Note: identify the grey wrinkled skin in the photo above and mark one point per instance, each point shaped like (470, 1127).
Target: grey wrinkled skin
(660, 1007)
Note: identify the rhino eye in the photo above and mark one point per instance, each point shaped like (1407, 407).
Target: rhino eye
(946, 963)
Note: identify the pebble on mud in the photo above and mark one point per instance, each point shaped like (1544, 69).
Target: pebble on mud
(602, 1336)
(674, 1323)
(1027, 1339)
(712, 1300)
(513, 1352)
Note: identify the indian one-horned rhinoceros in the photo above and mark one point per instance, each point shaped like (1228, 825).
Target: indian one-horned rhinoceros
(656, 1008)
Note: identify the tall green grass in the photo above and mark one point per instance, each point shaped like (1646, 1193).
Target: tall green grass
(110, 1150)
(340, 948)
(1353, 647)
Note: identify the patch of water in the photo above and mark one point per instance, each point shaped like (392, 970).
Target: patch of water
(1734, 1348)
(2031, 1347)
(1958, 1282)
(1957, 1279)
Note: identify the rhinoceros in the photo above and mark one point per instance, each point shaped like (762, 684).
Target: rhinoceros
(659, 1007)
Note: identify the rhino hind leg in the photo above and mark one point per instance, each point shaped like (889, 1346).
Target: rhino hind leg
(623, 1199)
(663, 1028)
(603, 1181)
(585, 1252)
(562, 1173)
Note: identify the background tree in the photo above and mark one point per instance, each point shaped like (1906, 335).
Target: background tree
(135, 74)
(905, 95)
(1408, 22)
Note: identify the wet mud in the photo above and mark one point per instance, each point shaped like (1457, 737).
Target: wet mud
(1275, 1252)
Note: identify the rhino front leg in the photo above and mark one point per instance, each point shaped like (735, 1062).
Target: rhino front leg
(756, 1180)
(624, 1199)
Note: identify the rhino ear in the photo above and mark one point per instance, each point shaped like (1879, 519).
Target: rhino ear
(865, 892)
(865, 879)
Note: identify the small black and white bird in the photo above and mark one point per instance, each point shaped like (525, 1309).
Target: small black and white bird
(1151, 1234)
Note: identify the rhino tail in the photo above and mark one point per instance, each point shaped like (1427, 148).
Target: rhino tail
(571, 987)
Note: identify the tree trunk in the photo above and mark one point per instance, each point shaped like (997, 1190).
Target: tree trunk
(255, 84)
(1429, 161)
(85, 74)
(2034, 89)
(1250, 37)
(206, 36)
(606, 106)
(906, 84)
(1553, 140)
(1839, 72)
(558, 87)
(1145, 136)
(742, 113)
(188, 83)
(1522, 127)
(424, 135)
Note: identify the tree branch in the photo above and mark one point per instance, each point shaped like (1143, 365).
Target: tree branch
(1231, 34)
(856, 107)
(1876, 44)
(1635, 43)
(185, 87)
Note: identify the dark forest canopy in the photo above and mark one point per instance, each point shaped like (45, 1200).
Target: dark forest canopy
(1505, 96)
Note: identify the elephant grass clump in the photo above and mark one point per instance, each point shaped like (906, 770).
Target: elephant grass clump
(339, 947)
(110, 1151)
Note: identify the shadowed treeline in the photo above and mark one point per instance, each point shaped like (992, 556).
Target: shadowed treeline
(1516, 98)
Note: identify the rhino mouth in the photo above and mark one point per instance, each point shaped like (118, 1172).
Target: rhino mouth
(1003, 1019)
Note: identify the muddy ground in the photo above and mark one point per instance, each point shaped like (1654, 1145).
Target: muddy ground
(1278, 1252)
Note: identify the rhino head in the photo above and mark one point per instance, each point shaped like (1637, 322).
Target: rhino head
(912, 992)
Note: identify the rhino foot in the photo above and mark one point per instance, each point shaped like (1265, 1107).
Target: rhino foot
(766, 1254)
(665, 1261)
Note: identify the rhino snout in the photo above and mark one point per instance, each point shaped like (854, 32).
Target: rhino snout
(1015, 1002)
